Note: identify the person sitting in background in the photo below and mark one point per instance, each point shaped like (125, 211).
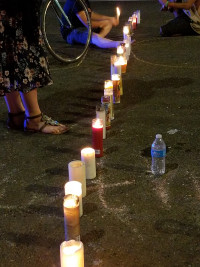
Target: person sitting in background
(24, 67)
(187, 18)
(101, 26)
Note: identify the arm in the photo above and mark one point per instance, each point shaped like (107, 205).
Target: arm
(97, 20)
(186, 5)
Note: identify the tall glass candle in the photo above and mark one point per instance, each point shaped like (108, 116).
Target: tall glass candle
(116, 88)
(105, 100)
(121, 50)
(138, 16)
(76, 169)
(113, 59)
(126, 31)
(123, 62)
(88, 156)
(75, 188)
(71, 217)
(134, 21)
(97, 137)
(101, 114)
(118, 69)
(72, 254)
(108, 90)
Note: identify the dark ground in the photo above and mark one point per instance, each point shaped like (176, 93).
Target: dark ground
(130, 218)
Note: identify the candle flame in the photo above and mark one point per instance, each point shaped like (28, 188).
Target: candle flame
(97, 123)
(87, 151)
(122, 60)
(118, 11)
(115, 77)
(120, 50)
(74, 188)
(126, 30)
(108, 84)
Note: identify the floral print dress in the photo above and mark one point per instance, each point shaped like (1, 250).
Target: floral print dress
(23, 66)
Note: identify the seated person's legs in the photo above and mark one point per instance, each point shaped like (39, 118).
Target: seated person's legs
(77, 36)
(178, 26)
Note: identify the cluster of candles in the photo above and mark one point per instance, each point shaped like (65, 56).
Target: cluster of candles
(72, 249)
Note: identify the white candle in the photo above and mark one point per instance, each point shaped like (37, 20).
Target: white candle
(138, 16)
(72, 254)
(101, 114)
(76, 169)
(75, 188)
(126, 31)
(88, 156)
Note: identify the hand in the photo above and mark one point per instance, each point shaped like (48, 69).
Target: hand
(115, 21)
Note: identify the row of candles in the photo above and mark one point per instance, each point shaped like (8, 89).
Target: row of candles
(72, 249)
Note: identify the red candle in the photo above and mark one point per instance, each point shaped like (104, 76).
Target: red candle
(134, 22)
(97, 137)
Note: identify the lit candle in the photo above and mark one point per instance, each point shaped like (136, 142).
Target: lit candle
(118, 70)
(76, 169)
(134, 22)
(97, 137)
(126, 31)
(123, 63)
(113, 59)
(116, 88)
(118, 11)
(88, 156)
(71, 217)
(72, 254)
(120, 50)
(101, 114)
(75, 188)
(108, 90)
(105, 100)
(128, 49)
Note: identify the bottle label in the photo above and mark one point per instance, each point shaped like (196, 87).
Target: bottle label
(158, 153)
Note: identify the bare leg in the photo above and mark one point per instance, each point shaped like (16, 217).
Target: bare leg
(14, 102)
(16, 110)
(104, 42)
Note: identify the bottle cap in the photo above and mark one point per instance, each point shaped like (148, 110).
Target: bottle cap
(159, 136)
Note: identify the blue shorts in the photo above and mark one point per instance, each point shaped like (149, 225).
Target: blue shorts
(178, 26)
(77, 36)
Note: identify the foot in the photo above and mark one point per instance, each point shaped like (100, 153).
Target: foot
(44, 124)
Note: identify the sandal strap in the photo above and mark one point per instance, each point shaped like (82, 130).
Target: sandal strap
(49, 121)
(34, 117)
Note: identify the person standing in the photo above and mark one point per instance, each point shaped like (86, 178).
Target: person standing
(24, 67)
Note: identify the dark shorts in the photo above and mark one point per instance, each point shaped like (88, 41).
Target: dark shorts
(178, 26)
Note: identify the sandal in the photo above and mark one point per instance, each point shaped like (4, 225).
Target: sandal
(16, 120)
(46, 121)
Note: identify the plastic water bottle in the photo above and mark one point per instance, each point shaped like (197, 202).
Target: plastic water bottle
(158, 153)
